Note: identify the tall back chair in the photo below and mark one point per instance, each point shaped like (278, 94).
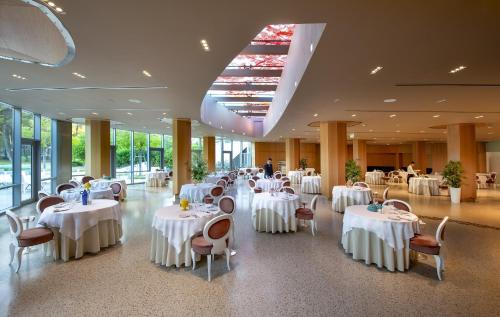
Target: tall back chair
(86, 179)
(227, 205)
(399, 204)
(287, 189)
(74, 183)
(431, 245)
(62, 187)
(253, 186)
(261, 170)
(277, 176)
(255, 178)
(308, 214)
(215, 192)
(25, 238)
(361, 184)
(116, 188)
(221, 182)
(42, 194)
(47, 202)
(286, 184)
(385, 194)
(214, 241)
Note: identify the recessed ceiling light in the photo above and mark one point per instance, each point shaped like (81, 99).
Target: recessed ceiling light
(441, 100)
(363, 125)
(370, 130)
(129, 113)
(19, 77)
(95, 113)
(422, 131)
(392, 116)
(146, 73)
(479, 117)
(456, 70)
(336, 100)
(315, 115)
(311, 47)
(353, 115)
(390, 100)
(296, 84)
(293, 129)
(205, 46)
(397, 131)
(436, 116)
(134, 101)
(376, 70)
(79, 75)
(58, 9)
(52, 4)
(232, 131)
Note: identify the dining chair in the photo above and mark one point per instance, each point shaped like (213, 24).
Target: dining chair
(428, 244)
(286, 178)
(253, 186)
(361, 184)
(215, 192)
(308, 214)
(47, 202)
(86, 179)
(256, 178)
(213, 241)
(287, 189)
(223, 183)
(286, 184)
(26, 238)
(42, 194)
(74, 183)
(399, 204)
(277, 175)
(63, 186)
(309, 173)
(261, 170)
(116, 188)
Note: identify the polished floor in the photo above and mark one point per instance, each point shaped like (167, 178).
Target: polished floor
(292, 274)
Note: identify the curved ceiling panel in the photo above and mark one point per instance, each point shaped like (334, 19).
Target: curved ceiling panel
(31, 33)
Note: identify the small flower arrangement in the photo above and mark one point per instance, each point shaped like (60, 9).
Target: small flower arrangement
(86, 186)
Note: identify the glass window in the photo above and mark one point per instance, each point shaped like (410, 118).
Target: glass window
(218, 153)
(167, 145)
(155, 140)
(6, 145)
(237, 154)
(27, 124)
(78, 150)
(196, 148)
(140, 157)
(45, 154)
(112, 136)
(123, 162)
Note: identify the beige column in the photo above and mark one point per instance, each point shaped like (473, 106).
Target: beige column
(462, 147)
(97, 148)
(481, 157)
(420, 156)
(359, 154)
(333, 140)
(181, 139)
(209, 152)
(292, 154)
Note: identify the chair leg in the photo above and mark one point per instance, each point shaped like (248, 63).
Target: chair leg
(19, 258)
(209, 262)
(312, 227)
(12, 248)
(438, 265)
(228, 256)
(193, 259)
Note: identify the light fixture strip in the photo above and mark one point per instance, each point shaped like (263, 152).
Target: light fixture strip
(376, 70)
(205, 46)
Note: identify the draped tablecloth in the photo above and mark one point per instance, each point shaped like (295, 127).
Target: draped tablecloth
(75, 194)
(260, 175)
(156, 179)
(267, 184)
(213, 178)
(275, 213)
(343, 196)
(171, 237)
(374, 177)
(296, 176)
(381, 238)
(104, 184)
(82, 229)
(424, 186)
(195, 192)
(311, 184)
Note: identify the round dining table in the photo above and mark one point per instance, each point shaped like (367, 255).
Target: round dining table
(156, 178)
(424, 186)
(214, 177)
(172, 230)
(81, 229)
(343, 196)
(311, 184)
(275, 212)
(296, 176)
(195, 192)
(375, 178)
(377, 237)
(268, 183)
(74, 194)
(101, 183)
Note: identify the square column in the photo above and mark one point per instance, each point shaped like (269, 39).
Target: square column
(97, 148)
(209, 152)
(292, 154)
(181, 143)
(462, 147)
(481, 157)
(359, 154)
(333, 140)
(420, 156)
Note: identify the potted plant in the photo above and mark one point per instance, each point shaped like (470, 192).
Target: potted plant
(303, 163)
(352, 172)
(453, 174)
(199, 170)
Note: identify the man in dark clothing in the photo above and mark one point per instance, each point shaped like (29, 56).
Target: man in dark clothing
(268, 168)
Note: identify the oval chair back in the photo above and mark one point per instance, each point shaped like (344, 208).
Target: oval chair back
(16, 227)
(287, 189)
(116, 188)
(86, 179)
(227, 205)
(217, 231)
(232, 176)
(74, 183)
(285, 179)
(261, 170)
(251, 183)
(42, 194)
(47, 202)
(221, 182)
(385, 194)
(277, 176)
(286, 184)
(62, 187)
(226, 178)
(440, 231)
(216, 191)
(314, 202)
(399, 204)
(248, 170)
(309, 173)
(256, 178)
(361, 184)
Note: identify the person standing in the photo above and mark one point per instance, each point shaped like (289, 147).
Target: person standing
(268, 168)
(411, 172)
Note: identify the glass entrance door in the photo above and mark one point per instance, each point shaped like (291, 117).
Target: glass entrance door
(156, 158)
(226, 160)
(26, 171)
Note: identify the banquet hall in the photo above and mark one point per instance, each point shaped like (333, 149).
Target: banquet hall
(230, 158)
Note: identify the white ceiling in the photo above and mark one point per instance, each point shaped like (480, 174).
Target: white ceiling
(415, 42)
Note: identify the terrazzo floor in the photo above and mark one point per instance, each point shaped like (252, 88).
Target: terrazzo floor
(292, 274)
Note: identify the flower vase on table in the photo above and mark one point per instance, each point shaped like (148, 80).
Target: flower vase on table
(86, 194)
(184, 203)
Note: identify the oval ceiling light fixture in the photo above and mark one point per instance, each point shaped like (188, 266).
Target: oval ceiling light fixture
(458, 69)
(146, 73)
(376, 70)
(134, 101)
(44, 41)
(390, 100)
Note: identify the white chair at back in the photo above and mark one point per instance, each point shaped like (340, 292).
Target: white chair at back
(399, 204)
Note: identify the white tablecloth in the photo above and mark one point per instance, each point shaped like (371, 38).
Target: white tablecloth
(275, 213)
(374, 178)
(75, 194)
(267, 184)
(213, 178)
(404, 175)
(195, 193)
(104, 184)
(343, 197)
(171, 237)
(255, 170)
(84, 229)
(156, 179)
(424, 186)
(295, 176)
(309, 169)
(260, 175)
(483, 177)
(311, 184)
